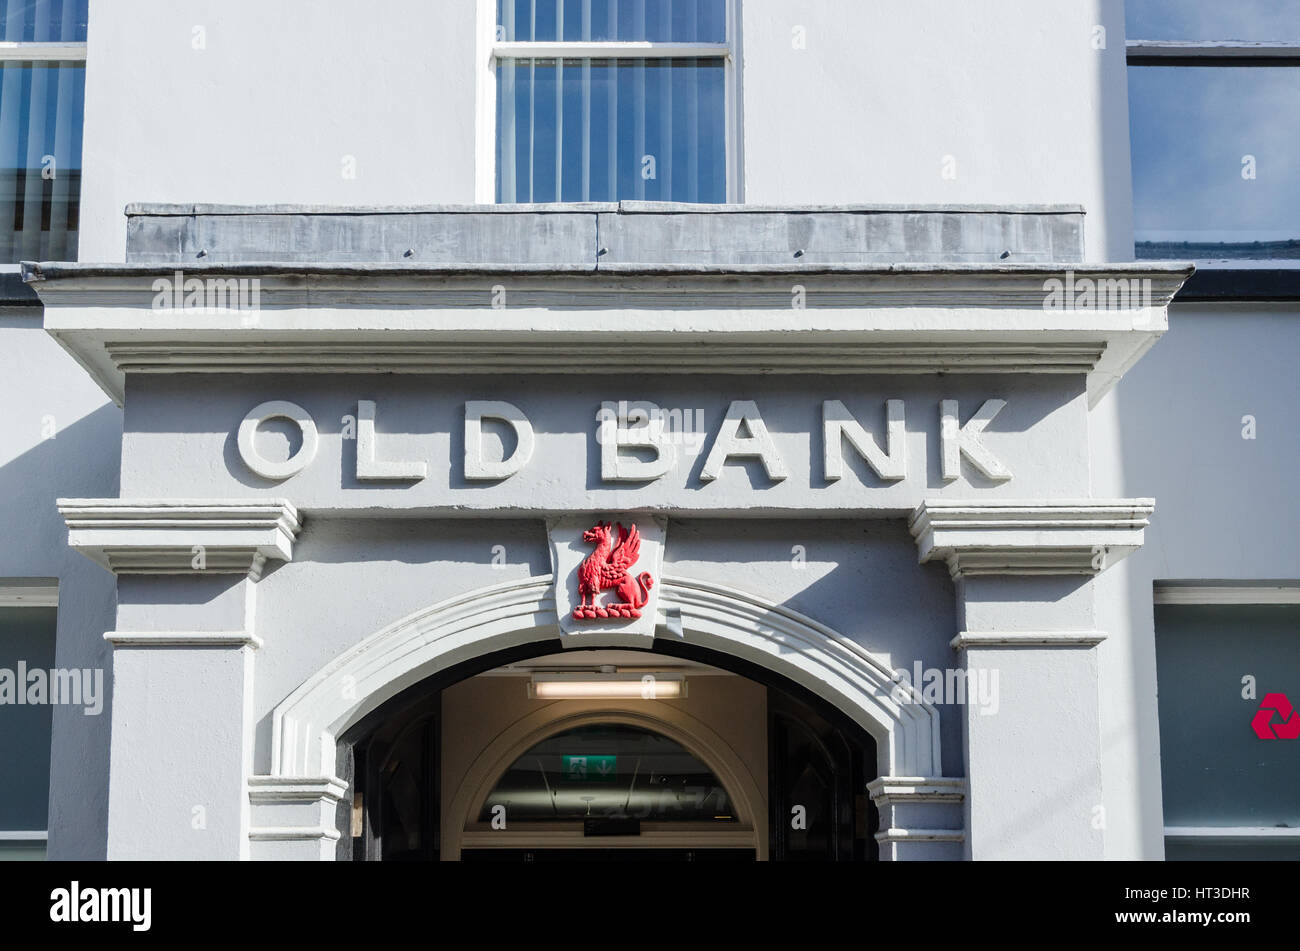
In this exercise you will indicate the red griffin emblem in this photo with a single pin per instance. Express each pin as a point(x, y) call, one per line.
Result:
point(607, 567)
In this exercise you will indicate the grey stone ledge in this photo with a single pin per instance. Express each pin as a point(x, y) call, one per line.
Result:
point(45, 271)
point(164, 209)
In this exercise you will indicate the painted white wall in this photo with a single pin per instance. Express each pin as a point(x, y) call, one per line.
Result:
point(268, 110)
point(1225, 510)
point(1014, 91)
point(46, 393)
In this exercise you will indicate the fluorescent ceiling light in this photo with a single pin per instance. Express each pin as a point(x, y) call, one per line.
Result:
point(590, 686)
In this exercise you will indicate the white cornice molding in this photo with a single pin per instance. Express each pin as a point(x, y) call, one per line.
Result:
point(920, 835)
point(1029, 537)
point(293, 834)
point(386, 318)
point(889, 790)
point(296, 789)
point(183, 639)
point(967, 639)
point(129, 536)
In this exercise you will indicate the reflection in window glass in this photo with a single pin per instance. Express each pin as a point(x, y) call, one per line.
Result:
point(1213, 19)
point(1216, 174)
point(1215, 769)
point(41, 111)
point(656, 21)
point(26, 643)
point(43, 21)
point(609, 771)
point(606, 130)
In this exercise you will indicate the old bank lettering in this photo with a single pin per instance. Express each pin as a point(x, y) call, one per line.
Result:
point(638, 442)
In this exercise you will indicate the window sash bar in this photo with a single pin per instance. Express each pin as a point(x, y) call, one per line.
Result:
point(36, 52)
point(627, 50)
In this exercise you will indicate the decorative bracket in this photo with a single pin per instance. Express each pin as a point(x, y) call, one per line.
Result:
point(181, 536)
point(1029, 537)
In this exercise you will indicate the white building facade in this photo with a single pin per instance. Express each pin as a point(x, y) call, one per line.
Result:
point(726, 429)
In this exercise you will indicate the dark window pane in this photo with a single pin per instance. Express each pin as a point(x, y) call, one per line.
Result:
point(1216, 173)
point(44, 21)
point(658, 21)
point(1216, 850)
point(26, 638)
point(1213, 19)
point(607, 130)
point(1215, 769)
point(609, 771)
point(41, 113)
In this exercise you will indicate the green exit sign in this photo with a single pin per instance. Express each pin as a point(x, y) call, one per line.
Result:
point(589, 769)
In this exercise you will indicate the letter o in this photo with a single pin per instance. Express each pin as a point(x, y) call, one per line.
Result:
point(277, 409)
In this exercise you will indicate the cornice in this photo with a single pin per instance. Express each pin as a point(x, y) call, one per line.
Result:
point(1029, 537)
point(456, 319)
point(129, 536)
point(183, 639)
point(889, 790)
point(969, 639)
point(296, 789)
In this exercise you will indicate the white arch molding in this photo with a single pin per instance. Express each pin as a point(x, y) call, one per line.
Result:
point(308, 722)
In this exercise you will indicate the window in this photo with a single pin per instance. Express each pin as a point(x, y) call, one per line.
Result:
point(609, 771)
point(27, 627)
point(1229, 767)
point(1214, 89)
point(606, 100)
point(42, 93)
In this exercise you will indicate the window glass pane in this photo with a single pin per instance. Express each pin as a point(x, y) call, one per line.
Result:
point(1255, 850)
point(1216, 173)
point(609, 771)
point(26, 646)
point(656, 21)
point(1216, 771)
point(1212, 19)
point(606, 130)
point(46, 21)
point(41, 112)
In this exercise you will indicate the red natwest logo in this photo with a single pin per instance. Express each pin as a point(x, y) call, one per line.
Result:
point(1263, 724)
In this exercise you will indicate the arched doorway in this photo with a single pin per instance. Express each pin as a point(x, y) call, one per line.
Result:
point(315, 753)
point(479, 768)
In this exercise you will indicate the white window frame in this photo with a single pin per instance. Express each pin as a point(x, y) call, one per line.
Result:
point(1228, 592)
point(489, 50)
point(28, 593)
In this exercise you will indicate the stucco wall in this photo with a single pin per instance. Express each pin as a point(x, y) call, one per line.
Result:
point(46, 394)
point(1225, 510)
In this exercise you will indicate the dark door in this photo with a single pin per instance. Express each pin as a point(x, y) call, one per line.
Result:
point(817, 771)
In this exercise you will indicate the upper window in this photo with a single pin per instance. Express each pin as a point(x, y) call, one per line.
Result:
point(42, 93)
point(604, 100)
point(1213, 90)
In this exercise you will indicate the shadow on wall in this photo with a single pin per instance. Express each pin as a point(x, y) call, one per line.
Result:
point(80, 460)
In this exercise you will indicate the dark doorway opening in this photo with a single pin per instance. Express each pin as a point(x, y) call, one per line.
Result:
point(819, 763)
